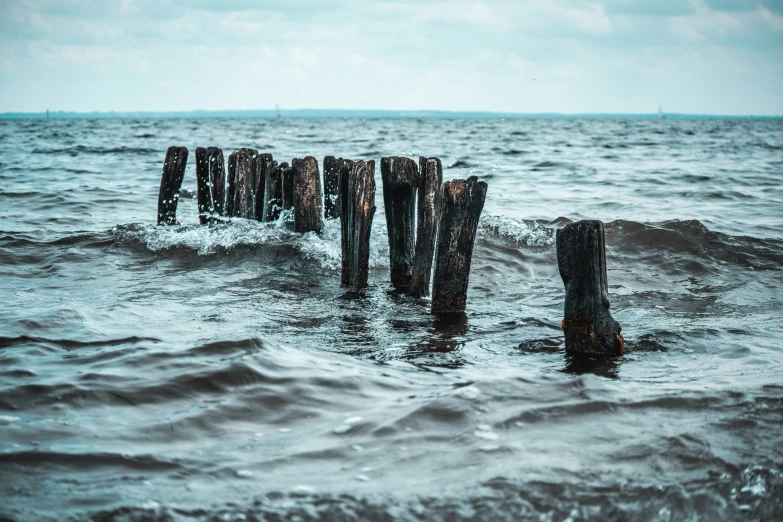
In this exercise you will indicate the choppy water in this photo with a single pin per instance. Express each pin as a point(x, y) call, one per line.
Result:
point(195, 373)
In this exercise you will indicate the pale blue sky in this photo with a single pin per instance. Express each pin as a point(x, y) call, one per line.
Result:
point(620, 56)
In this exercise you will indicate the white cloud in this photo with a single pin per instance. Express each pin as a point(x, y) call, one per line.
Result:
point(774, 20)
point(303, 56)
point(399, 54)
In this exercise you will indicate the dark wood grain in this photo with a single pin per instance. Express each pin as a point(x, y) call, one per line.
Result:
point(332, 168)
point(356, 189)
point(428, 204)
point(308, 200)
point(589, 328)
point(462, 202)
point(210, 181)
point(170, 183)
point(399, 175)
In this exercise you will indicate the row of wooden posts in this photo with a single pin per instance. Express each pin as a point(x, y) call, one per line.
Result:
point(426, 219)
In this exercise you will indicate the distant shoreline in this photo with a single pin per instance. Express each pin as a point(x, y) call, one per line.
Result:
point(355, 113)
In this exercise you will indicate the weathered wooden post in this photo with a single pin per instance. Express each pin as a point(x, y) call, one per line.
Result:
point(170, 183)
point(308, 200)
point(428, 205)
point(231, 188)
point(287, 175)
point(462, 203)
point(260, 164)
point(210, 180)
point(589, 328)
point(399, 176)
point(356, 200)
point(332, 167)
point(273, 193)
point(242, 182)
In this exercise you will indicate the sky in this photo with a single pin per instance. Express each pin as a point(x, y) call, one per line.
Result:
point(508, 56)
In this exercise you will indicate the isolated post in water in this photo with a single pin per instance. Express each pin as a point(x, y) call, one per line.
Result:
point(462, 202)
point(588, 326)
point(332, 167)
point(210, 180)
point(287, 175)
point(273, 193)
point(170, 183)
point(307, 195)
point(241, 177)
point(428, 204)
point(356, 200)
point(399, 176)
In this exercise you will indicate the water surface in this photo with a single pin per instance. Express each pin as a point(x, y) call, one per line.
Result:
point(221, 373)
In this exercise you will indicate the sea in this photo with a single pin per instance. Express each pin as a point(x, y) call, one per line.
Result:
point(221, 373)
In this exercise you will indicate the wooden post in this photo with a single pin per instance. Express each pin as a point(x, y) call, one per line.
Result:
point(232, 170)
point(399, 181)
point(170, 183)
point(308, 201)
point(217, 176)
point(287, 174)
point(356, 201)
point(428, 205)
point(241, 169)
point(273, 193)
point(462, 203)
point(588, 326)
point(260, 164)
point(332, 167)
point(210, 180)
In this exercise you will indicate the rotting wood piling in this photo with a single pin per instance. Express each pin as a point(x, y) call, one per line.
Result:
point(170, 183)
point(332, 168)
point(260, 163)
point(589, 328)
point(241, 183)
point(287, 176)
point(430, 223)
point(210, 180)
point(462, 202)
point(356, 201)
point(430, 180)
point(399, 176)
point(272, 199)
point(308, 200)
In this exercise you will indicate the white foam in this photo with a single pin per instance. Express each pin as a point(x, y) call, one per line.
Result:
point(467, 392)
point(517, 230)
point(205, 240)
point(5, 420)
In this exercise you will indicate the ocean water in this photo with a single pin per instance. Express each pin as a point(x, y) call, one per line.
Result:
point(220, 373)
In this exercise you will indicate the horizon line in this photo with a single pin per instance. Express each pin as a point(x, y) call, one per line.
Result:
point(355, 113)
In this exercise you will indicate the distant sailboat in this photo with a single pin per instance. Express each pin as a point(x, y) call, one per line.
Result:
point(47, 114)
point(660, 112)
point(277, 108)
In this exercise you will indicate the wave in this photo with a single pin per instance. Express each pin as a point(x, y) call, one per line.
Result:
point(272, 240)
point(529, 233)
point(750, 494)
point(691, 238)
point(638, 243)
point(460, 164)
point(83, 149)
point(70, 344)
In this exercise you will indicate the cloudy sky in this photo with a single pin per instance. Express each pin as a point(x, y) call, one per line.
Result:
point(618, 56)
